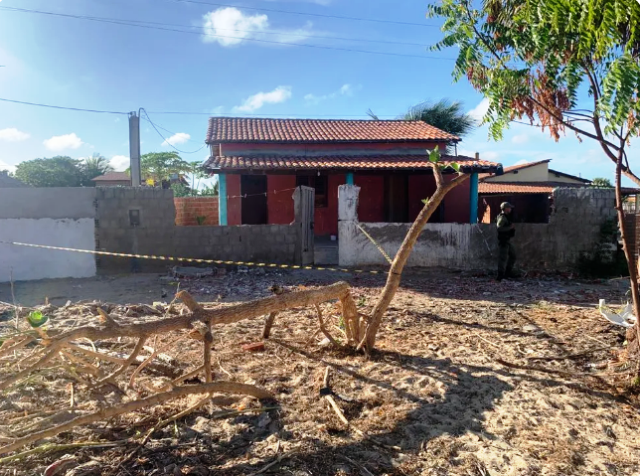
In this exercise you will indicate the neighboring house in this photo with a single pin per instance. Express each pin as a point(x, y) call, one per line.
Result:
point(261, 161)
point(10, 182)
point(113, 179)
point(529, 188)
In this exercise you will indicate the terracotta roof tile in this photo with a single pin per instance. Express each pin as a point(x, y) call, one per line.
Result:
point(356, 162)
point(112, 177)
point(238, 129)
point(502, 187)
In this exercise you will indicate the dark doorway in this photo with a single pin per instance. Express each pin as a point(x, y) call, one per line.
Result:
point(254, 199)
point(396, 193)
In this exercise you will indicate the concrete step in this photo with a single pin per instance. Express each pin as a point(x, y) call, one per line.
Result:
point(325, 255)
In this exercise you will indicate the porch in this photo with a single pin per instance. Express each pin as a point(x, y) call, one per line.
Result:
point(261, 197)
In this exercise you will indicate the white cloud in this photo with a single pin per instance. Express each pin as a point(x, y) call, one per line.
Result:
point(13, 135)
point(175, 139)
point(520, 139)
point(67, 141)
point(120, 163)
point(229, 26)
point(255, 102)
point(5, 166)
point(480, 110)
point(345, 90)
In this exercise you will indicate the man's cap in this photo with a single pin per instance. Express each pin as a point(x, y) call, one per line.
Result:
point(504, 205)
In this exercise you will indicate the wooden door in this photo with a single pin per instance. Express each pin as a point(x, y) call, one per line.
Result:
point(254, 199)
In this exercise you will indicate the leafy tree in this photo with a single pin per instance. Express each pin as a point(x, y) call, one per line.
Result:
point(197, 172)
point(562, 64)
point(160, 166)
point(601, 182)
point(95, 166)
point(444, 114)
point(54, 172)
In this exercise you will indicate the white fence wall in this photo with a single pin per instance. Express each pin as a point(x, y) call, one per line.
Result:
point(48, 216)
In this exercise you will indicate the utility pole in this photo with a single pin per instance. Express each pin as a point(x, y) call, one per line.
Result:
point(134, 148)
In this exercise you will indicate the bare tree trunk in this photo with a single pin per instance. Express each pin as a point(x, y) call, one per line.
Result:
point(395, 273)
point(633, 334)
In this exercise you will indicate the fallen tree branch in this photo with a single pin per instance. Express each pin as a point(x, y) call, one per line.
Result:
point(571, 356)
point(146, 362)
point(324, 330)
point(272, 464)
point(110, 412)
point(50, 448)
point(161, 424)
point(228, 315)
point(332, 401)
point(266, 332)
point(128, 362)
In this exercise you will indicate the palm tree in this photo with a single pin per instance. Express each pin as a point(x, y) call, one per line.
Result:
point(95, 166)
point(445, 115)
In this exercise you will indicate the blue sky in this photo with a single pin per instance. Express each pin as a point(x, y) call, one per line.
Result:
point(86, 64)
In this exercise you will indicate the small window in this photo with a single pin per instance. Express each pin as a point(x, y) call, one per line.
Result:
point(134, 217)
point(321, 186)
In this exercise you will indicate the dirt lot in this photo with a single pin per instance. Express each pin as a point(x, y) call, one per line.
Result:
point(470, 377)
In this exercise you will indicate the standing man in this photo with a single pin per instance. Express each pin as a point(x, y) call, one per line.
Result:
point(506, 253)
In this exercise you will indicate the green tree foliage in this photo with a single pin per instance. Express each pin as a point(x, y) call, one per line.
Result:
point(563, 64)
point(95, 166)
point(54, 172)
point(160, 166)
point(444, 114)
point(601, 182)
point(566, 64)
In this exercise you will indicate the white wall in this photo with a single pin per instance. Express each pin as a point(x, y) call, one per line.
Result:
point(32, 263)
point(537, 173)
point(62, 217)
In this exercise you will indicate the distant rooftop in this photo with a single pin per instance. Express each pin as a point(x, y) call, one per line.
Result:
point(10, 182)
point(112, 177)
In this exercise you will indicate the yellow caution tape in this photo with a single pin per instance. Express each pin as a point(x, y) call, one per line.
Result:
point(193, 260)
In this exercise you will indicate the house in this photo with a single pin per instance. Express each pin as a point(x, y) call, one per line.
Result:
point(528, 186)
point(10, 182)
point(260, 162)
point(113, 179)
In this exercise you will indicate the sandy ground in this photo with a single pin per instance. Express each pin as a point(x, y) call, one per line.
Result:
point(469, 378)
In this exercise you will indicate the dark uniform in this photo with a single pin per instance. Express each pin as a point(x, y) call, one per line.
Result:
point(506, 252)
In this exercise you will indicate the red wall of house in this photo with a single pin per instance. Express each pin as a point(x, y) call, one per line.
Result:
point(234, 205)
point(371, 199)
point(280, 201)
point(456, 202)
point(326, 220)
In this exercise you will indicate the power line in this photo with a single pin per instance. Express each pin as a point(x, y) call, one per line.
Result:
point(148, 119)
point(206, 29)
point(137, 24)
point(62, 107)
point(183, 113)
point(318, 15)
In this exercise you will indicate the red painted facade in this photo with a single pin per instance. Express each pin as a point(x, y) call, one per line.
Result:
point(373, 202)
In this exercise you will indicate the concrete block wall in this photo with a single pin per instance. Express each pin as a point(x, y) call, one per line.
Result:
point(247, 243)
point(63, 217)
point(574, 229)
point(188, 209)
point(157, 234)
point(116, 233)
